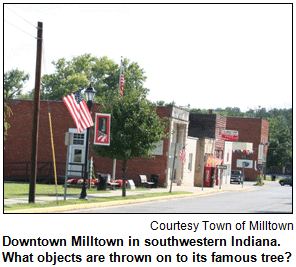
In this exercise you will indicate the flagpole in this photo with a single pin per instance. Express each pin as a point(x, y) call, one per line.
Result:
point(120, 72)
point(53, 157)
point(120, 77)
point(119, 83)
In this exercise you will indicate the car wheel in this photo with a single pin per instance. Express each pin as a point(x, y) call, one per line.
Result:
point(281, 183)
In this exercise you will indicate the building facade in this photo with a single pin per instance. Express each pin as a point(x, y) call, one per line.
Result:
point(18, 145)
point(210, 151)
point(253, 139)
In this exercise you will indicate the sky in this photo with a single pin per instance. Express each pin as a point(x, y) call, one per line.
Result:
point(207, 56)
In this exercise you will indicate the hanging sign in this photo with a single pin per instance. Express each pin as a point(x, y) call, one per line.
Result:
point(229, 135)
point(102, 129)
point(213, 162)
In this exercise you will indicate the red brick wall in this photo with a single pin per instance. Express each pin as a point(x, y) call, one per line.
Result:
point(18, 144)
point(19, 140)
point(137, 166)
point(220, 125)
point(264, 135)
point(251, 130)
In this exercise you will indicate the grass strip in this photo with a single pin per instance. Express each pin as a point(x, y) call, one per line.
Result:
point(21, 190)
point(47, 204)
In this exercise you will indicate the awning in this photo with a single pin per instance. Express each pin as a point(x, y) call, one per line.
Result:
point(213, 162)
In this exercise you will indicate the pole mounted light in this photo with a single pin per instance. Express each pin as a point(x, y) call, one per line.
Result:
point(90, 93)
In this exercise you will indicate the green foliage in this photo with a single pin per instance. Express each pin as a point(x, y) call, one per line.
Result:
point(135, 128)
point(103, 73)
point(280, 142)
point(259, 180)
point(14, 81)
point(27, 96)
point(280, 130)
point(7, 113)
point(163, 103)
point(199, 111)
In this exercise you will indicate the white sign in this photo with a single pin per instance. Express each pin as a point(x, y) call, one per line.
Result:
point(239, 163)
point(229, 135)
point(260, 154)
point(130, 184)
point(67, 140)
point(158, 151)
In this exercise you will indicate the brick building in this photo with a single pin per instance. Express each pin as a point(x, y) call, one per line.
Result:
point(208, 128)
point(17, 153)
point(253, 131)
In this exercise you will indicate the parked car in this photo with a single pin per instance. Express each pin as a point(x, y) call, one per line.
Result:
point(236, 176)
point(287, 180)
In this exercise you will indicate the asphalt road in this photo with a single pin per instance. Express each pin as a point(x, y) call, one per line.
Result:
point(271, 198)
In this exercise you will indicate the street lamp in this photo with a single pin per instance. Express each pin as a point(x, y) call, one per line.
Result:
point(89, 95)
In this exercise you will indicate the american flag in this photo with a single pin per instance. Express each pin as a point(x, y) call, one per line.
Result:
point(102, 137)
point(121, 80)
point(183, 155)
point(121, 84)
point(78, 110)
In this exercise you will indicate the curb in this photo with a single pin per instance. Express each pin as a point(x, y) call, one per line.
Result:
point(117, 202)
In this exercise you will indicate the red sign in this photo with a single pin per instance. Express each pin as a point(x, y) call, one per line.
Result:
point(230, 135)
point(102, 129)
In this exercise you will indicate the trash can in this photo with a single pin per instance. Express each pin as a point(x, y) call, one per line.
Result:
point(273, 177)
point(102, 183)
point(154, 179)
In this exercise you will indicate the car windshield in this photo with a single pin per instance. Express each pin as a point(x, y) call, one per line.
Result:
point(235, 172)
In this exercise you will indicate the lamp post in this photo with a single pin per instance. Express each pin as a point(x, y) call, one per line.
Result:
point(89, 95)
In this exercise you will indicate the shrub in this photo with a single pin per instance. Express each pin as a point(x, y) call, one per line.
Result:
point(259, 180)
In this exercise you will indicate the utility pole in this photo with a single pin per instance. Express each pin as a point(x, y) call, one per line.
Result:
point(36, 115)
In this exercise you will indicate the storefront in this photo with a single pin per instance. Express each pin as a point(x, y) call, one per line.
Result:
point(211, 173)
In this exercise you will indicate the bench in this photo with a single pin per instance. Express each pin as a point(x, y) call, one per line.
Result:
point(106, 179)
point(144, 182)
point(111, 184)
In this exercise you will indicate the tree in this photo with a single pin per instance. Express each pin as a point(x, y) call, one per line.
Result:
point(163, 103)
point(7, 112)
point(135, 130)
point(14, 81)
point(198, 111)
point(103, 73)
point(280, 142)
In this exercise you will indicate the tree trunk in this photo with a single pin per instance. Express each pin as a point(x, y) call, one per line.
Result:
point(123, 178)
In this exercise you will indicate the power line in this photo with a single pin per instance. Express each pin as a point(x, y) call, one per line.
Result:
point(43, 57)
point(21, 29)
point(20, 17)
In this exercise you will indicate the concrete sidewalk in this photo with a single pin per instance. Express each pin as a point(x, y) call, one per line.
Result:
point(111, 193)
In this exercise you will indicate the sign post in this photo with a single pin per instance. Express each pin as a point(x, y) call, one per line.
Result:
point(221, 167)
point(68, 141)
point(245, 164)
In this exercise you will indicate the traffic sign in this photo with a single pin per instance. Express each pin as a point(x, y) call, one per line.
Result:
point(222, 167)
